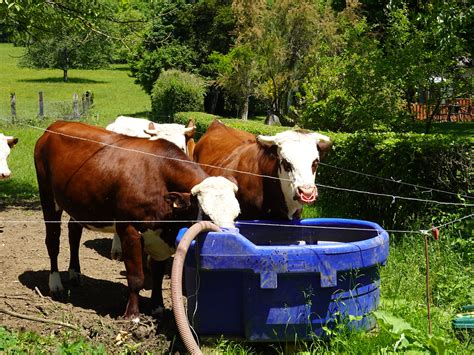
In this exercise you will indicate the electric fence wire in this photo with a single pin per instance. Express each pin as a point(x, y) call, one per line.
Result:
point(394, 197)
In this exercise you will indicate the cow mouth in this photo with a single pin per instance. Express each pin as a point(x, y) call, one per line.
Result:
point(307, 196)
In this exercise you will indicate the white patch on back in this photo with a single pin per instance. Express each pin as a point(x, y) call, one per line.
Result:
point(55, 284)
point(139, 127)
point(4, 153)
point(156, 247)
point(216, 197)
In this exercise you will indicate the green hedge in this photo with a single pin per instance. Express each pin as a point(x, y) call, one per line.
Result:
point(203, 120)
point(437, 161)
point(440, 161)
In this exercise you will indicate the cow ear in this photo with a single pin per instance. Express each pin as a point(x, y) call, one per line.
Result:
point(266, 141)
point(324, 147)
point(189, 132)
point(178, 200)
point(152, 131)
point(11, 141)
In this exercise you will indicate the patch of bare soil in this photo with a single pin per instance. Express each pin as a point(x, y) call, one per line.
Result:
point(93, 309)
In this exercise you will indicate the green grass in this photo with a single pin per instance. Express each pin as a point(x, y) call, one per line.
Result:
point(31, 343)
point(114, 91)
point(114, 94)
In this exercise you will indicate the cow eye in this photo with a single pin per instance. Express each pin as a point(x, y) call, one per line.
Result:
point(286, 165)
point(315, 165)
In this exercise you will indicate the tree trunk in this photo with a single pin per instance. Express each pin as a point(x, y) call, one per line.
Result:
point(430, 118)
point(66, 63)
point(244, 110)
point(214, 99)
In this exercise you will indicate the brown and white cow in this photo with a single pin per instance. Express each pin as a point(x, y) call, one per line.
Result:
point(114, 183)
point(6, 143)
point(289, 159)
point(182, 136)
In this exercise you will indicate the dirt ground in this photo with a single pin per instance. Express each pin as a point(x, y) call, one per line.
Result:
point(93, 309)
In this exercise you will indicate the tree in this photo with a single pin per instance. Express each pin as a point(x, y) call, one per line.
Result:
point(33, 19)
point(425, 48)
point(348, 90)
point(286, 37)
point(237, 75)
point(182, 38)
point(78, 34)
point(68, 50)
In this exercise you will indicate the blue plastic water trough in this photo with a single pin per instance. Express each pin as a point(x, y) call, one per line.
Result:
point(271, 283)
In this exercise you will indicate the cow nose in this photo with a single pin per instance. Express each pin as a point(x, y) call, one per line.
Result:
point(5, 175)
point(307, 193)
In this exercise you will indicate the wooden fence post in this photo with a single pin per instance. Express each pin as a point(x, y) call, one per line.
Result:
point(75, 106)
point(86, 101)
point(41, 105)
point(13, 106)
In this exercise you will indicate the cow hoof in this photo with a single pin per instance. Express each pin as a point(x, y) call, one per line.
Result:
point(116, 256)
point(75, 278)
point(55, 284)
point(135, 318)
point(60, 296)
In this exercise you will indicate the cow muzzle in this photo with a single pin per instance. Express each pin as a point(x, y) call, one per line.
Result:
point(307, 194)
point(5, 175)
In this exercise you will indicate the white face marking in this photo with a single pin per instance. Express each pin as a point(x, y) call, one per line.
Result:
point(297, 151)
point(156, 247)
point(139, 127)
point(216, 197)
point(55, 284)
point(4, 153)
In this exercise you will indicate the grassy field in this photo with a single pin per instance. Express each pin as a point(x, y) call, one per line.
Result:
point(113, 89)
point(402, 315)
point(114, 94)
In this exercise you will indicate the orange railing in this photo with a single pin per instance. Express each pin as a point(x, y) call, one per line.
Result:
point(458, 110)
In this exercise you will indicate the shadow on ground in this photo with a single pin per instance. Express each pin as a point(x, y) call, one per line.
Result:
point(100, 245)
point(60, 80)
point(102, 296)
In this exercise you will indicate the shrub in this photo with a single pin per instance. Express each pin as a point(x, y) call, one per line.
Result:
point(176, 91)
point(438, 161)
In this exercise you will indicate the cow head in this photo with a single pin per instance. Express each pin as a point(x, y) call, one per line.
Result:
point(6, 143)
point(216, 198)
point(172, 132)
point(298, 154)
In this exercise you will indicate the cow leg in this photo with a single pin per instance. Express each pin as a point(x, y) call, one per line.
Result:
point(116, 250)
point(75, 233)
point(158, 271)
point(132, 257)
point(53, 233)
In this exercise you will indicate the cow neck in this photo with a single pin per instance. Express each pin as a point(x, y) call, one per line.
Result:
point(274, 204)
point(183, 176)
